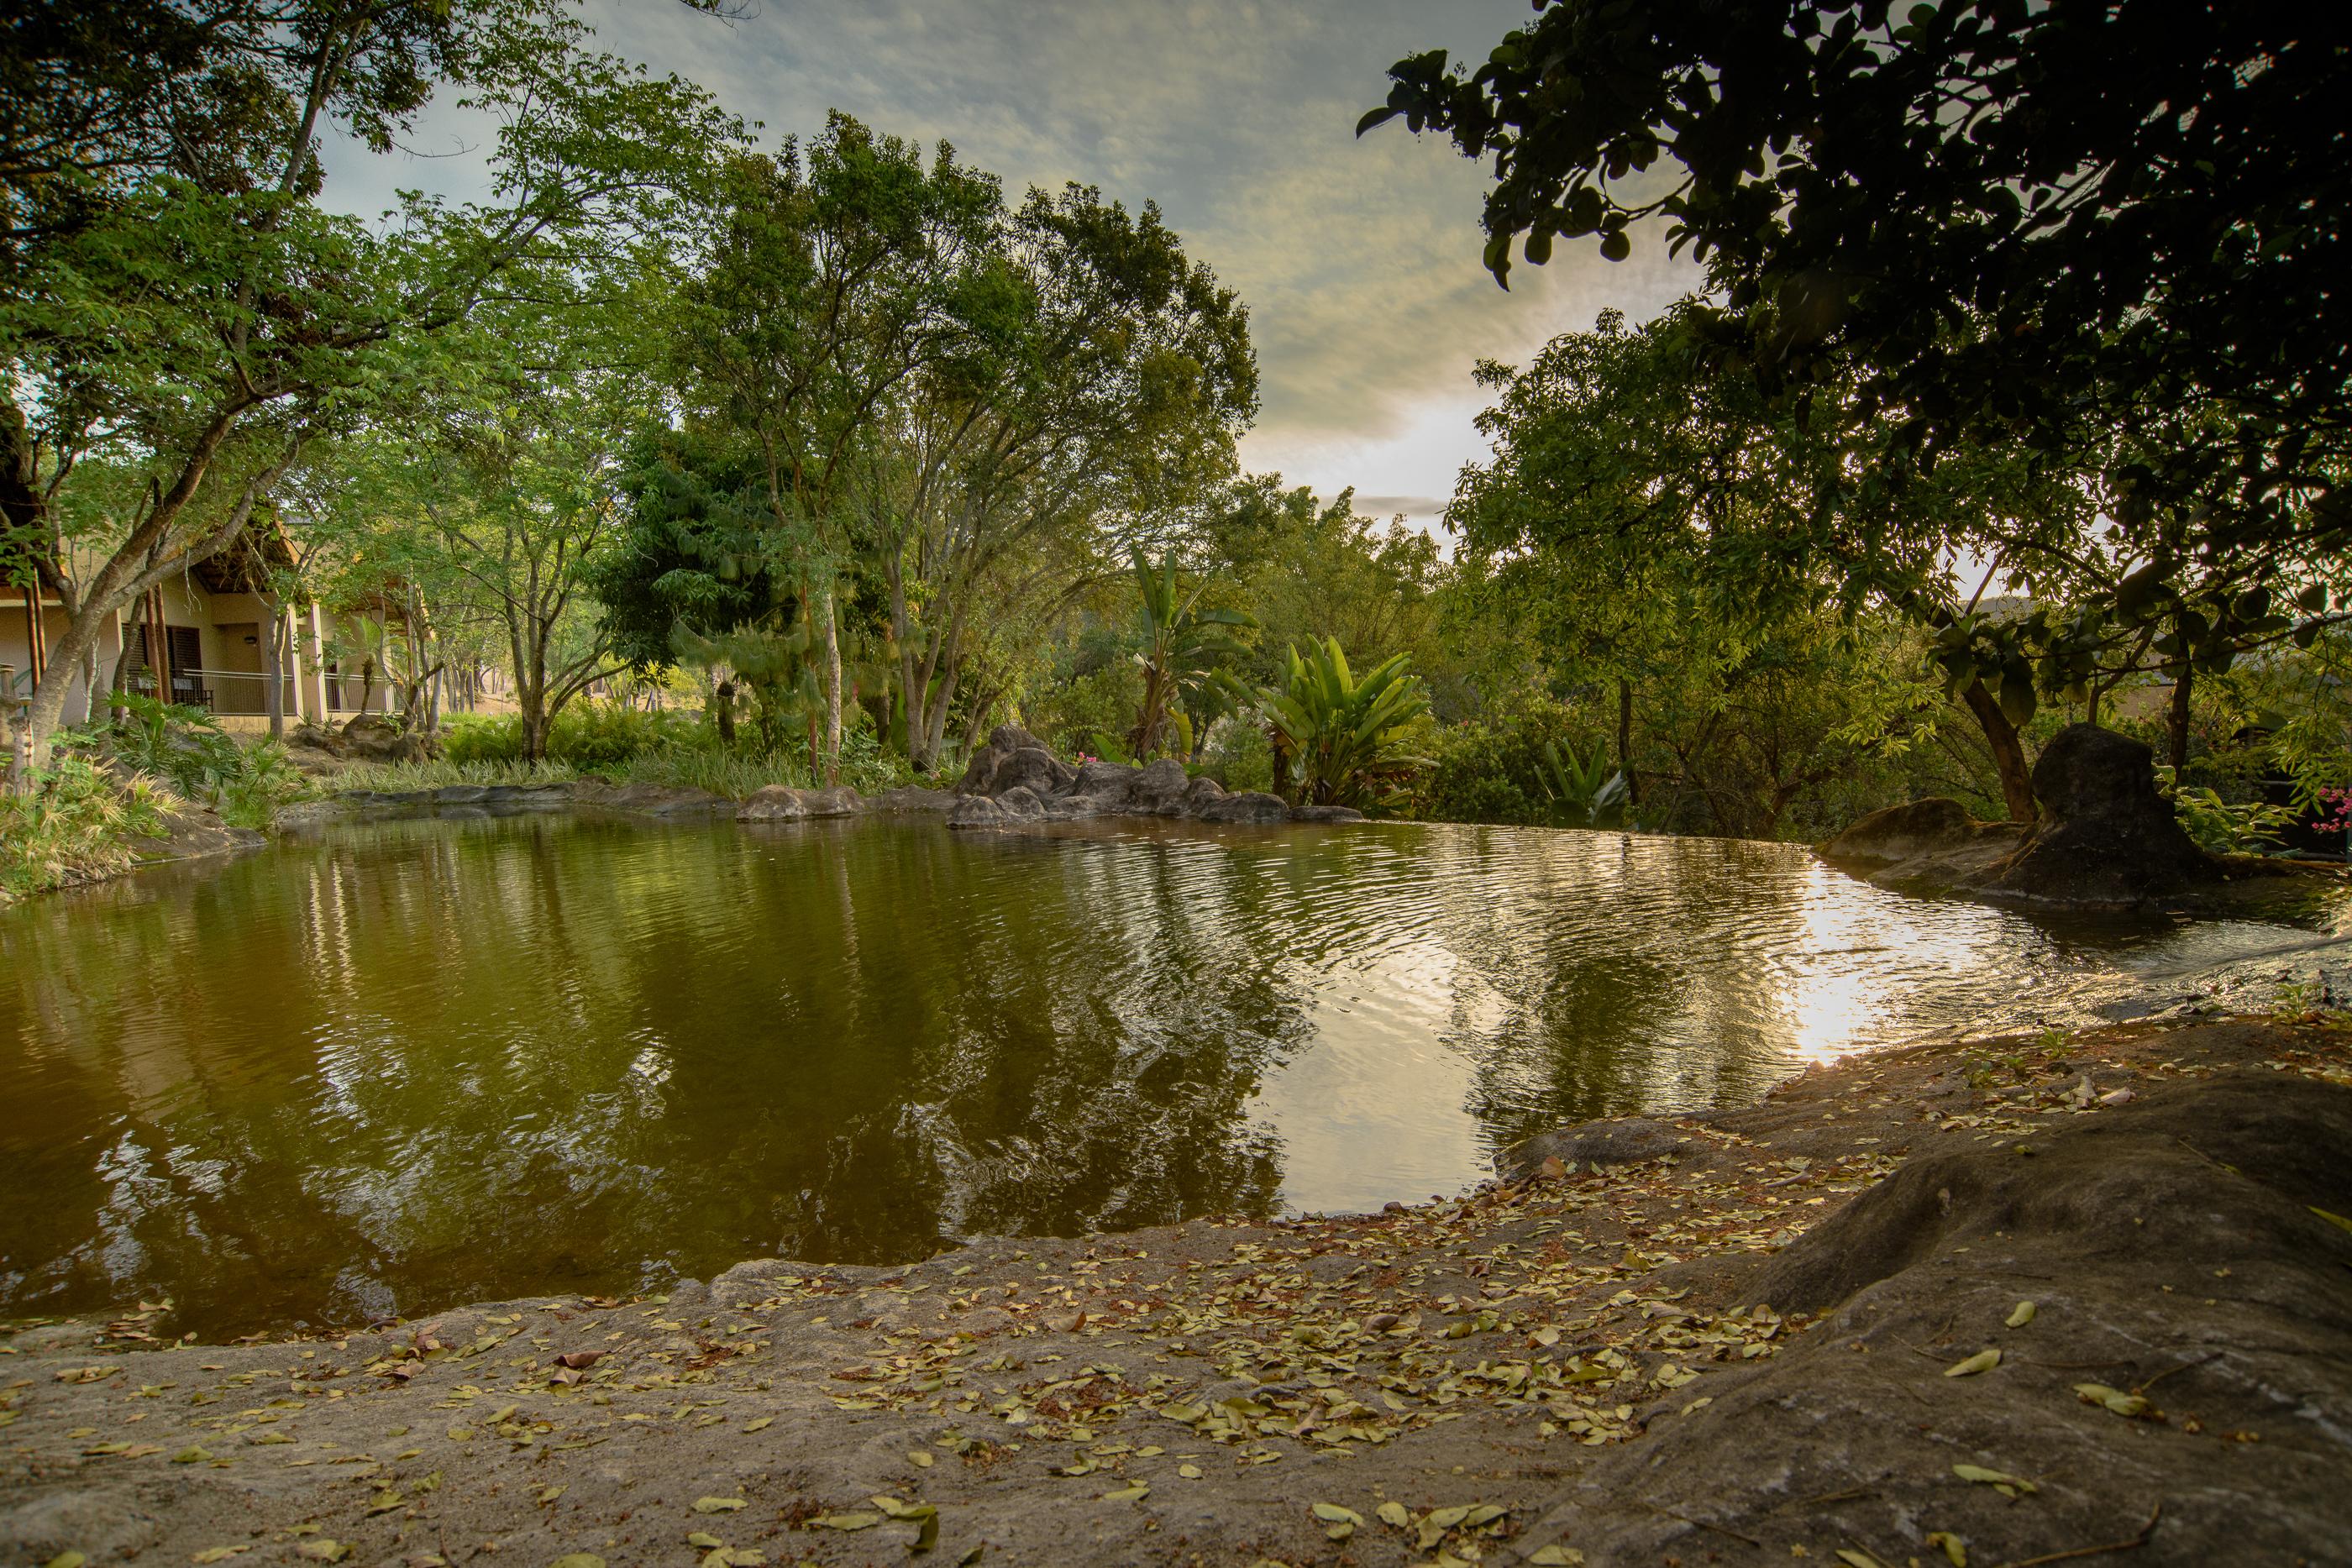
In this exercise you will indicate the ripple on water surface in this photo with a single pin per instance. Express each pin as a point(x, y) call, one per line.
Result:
point(412, 1063)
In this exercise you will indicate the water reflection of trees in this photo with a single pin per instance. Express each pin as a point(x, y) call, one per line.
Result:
point(430, 1064)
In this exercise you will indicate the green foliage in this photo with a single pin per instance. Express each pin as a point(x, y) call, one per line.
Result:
point(1584, 794)
point(1490, 768)
point(70, 822)
point(184, 748)
point(2137, 301)
point(1334, 734)
point(2224, 827)
point(586, 737)
point(1180, 646)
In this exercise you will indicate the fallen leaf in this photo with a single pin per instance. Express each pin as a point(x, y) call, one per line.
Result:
point(2114, 1399)
point(2007, 1485)
point(1954, 1551)
point(704, 1539)
point(1189, 1472)
point(2020, 1316)
point(211, 1554)
point(326, 1549)
point(67, 1559)
point(578, 1560)
point(762, 1425)
point(848, 1521)
point(1983, 1361)
point(716, 1504)
point(1135, 1493)
point(1853, 1559)
point(550, 1495)
point(1394, 1513)
point(1556, 1556)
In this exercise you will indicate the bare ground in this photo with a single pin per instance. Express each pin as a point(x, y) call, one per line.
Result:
point(1577, 1368)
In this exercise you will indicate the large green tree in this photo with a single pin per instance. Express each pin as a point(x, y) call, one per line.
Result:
point(2110, 235)
point(181, 311)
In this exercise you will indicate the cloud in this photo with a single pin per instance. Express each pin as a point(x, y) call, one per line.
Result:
point(1358, 259)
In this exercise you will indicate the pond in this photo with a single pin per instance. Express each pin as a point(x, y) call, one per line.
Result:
point(404, 1064)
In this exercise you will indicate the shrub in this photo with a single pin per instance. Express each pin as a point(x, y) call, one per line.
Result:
point(73, 822)
point(185, 748)
point(1493, 770)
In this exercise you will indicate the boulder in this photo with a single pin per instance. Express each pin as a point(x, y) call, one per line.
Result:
point(372, 737)
point(1620, 1142)
point(2190, 1292)
point(1158, 789)
point(783, 803)
point(1014, 758)
point(978, 812)
point(1250, 808)
point(1105, 781)
point(1326, 814)
point(1933, 840)
point(2105, 837)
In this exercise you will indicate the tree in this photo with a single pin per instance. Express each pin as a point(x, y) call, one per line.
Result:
point(1096, 398)
point(834, 279)
point(1179, 644)
point(1638, 477)
point(181, 312)
point(2111, 235)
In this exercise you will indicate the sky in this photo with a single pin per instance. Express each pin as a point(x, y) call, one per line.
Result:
point(1359, 260)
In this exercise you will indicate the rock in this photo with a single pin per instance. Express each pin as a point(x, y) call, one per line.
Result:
point(2170, 1246)
point(1014, 758)
point(1253, 807)
point(1020, 804)
point(1619, 1141)
point(1896, 833)
point(309, 813)
point(1934, 842)
point(1326, 814)
point(192, 831)
point(662, 800)
point(372, 737)
point(2106, 837)
point(1107, 781)
point(911, 798)
point(1160, 788)
point(978, 812)
point(783, 803)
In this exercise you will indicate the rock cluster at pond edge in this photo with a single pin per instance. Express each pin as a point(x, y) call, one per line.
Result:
point(1015, 779)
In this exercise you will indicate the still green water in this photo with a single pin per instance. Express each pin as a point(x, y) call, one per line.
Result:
point(412, 1063)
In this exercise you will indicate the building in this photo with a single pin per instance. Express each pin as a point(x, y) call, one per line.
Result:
point(201, 632)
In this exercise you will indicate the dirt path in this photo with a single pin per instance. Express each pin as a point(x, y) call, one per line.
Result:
point(1444, 1383)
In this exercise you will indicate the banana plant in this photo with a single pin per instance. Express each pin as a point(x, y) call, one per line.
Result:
point(1179, 645)
point(1333, 736)
point(1582, 794)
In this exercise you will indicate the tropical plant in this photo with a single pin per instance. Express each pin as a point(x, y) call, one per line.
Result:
point(71, 822)
point(1584, 794)
point(1181, 645)
point(2224, 827)
point(1333, 736)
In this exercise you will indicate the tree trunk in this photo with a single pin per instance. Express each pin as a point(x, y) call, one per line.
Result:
point(1625, 738)
point(722, 699)
point(273, 664)
point(2177, 725)
point(831, 689)
point(2008, 753)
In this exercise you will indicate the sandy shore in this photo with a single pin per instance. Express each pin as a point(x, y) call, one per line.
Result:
point(1491, 1380)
